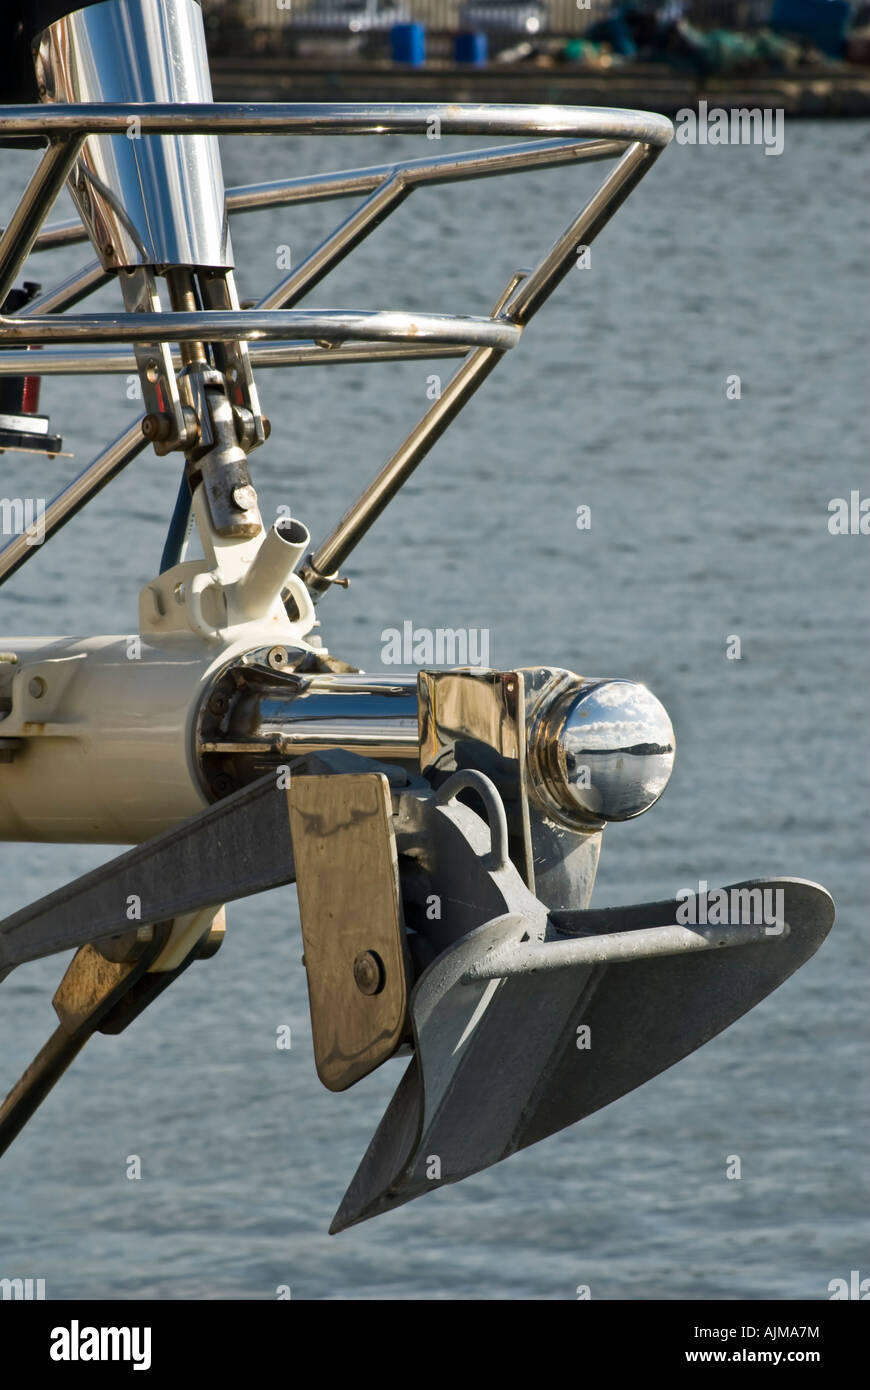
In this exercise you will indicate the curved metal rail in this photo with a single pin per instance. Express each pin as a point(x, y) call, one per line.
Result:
point(332, 326)
point(339, 118)
point(574, 135)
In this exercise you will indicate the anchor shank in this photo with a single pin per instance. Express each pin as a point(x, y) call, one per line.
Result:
point(620, 947)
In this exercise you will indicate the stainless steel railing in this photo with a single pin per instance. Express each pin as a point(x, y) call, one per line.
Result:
point(281, 335)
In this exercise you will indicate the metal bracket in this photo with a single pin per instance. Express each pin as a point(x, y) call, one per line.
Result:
point(479, 718)
point(355, 955)
point(218, 289)
point(156, 369)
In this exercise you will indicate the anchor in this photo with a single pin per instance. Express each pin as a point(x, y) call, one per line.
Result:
point(442, 827)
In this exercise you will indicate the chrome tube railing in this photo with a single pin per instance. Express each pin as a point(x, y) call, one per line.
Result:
point(522, 303)
point(573, 135)
point(250, 325)
point(75, 495)
point(34, 206)
point(83, 361)
point(343, 118)
point(442, 169)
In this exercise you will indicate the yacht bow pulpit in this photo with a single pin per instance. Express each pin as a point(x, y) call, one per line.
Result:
point(443, 827)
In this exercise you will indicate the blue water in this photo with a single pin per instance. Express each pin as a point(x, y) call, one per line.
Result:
point(709, 520)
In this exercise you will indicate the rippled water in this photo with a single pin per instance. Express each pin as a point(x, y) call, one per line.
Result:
point(709, 520)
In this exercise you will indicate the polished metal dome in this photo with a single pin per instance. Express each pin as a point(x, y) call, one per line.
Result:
point(600, 750)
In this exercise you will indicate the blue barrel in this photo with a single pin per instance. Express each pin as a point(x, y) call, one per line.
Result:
point(823, 22)
point(471, 48)
point(409, 44)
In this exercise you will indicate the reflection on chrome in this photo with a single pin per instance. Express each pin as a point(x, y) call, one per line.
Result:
point(145, 201)
point(600, 751)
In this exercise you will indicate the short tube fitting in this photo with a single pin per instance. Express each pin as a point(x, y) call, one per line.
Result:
point(281, 550)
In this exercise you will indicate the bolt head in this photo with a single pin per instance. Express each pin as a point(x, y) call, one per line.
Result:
point(155, 426)
point(244, 497)
point(37, 687)
point(368, 972)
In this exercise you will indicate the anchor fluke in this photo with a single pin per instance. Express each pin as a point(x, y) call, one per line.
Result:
point(497, 1062)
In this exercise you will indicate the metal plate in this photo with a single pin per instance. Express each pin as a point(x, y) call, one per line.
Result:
point(352, 927)
point(478, 718)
